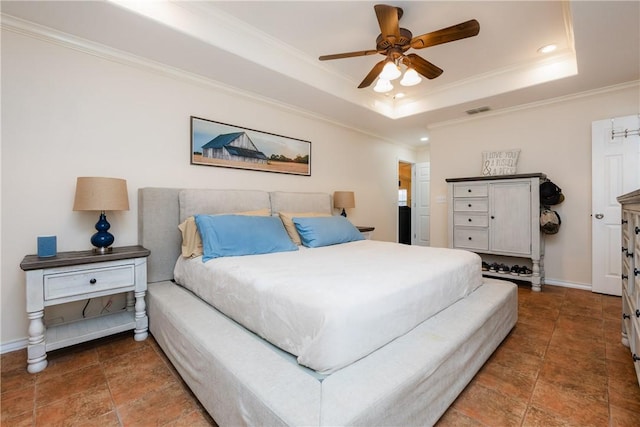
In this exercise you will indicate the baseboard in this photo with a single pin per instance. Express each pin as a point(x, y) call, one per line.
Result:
point(562, 283)
point(8, 347)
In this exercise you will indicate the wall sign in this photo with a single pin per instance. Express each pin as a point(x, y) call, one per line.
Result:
point(504, 162)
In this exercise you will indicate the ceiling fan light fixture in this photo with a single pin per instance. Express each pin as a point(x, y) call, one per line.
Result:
point(411, 78)
point(383, 86)
point(390, 71)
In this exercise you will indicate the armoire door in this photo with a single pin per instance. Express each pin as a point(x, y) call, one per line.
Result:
point(509, 217)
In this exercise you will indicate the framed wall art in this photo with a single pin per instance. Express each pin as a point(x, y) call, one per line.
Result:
point(223, 145)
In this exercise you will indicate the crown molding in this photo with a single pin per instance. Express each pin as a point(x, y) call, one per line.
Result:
point(50, 35)
point(538, 104)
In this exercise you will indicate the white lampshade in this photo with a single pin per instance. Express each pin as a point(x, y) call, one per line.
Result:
point(411, 78)
point(390, 71)
point(383, 86)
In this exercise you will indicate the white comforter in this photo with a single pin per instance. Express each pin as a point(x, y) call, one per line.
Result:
point(333, 305)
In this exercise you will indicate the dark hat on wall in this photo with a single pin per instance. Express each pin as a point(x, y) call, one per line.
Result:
point(549, 221)
point(550, 194)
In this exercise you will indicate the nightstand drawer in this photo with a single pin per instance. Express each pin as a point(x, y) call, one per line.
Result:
point(87, 281)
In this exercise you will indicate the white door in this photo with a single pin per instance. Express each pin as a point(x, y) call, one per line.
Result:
point(421, 204)
point(615, 171)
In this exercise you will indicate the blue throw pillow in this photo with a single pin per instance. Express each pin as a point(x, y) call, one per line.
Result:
point(324, 231)
point(235, 235)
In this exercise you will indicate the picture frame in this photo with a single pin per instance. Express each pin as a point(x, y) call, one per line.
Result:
point(224, 145)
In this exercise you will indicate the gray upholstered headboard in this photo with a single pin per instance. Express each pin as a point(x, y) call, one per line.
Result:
point(160, 210)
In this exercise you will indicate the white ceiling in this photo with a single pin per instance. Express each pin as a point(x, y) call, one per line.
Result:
point(271, 49)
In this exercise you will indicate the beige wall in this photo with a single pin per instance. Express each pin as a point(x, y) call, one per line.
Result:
point(555, 139)
point(66, 114)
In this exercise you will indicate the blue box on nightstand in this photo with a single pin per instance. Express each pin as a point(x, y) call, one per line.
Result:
point(47, 246)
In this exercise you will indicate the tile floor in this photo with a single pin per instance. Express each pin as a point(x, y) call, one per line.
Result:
point(562, 365)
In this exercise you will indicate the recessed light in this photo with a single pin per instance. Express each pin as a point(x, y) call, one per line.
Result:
point(399, 95)
point(548, 48)
point(424, 138)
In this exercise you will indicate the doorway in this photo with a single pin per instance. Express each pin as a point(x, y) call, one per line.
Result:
point(405, 196)
point(414, 203)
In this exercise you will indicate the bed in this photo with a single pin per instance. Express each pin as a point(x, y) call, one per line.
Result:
point(401, 372)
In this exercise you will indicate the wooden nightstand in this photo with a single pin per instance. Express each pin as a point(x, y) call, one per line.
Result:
point(367, 232)
point(73, 276)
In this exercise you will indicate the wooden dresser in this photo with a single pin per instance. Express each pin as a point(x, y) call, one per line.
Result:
point(631, 275)
point(499, 216)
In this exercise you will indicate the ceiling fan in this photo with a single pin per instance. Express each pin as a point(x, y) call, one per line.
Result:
point(394, 41)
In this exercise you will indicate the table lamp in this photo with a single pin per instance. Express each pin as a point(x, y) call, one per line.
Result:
point(101, 194)
point(344, 199)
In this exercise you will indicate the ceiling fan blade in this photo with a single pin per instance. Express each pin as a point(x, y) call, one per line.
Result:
point(455, 32)
point(347, 55)
point(422, 66)
point(388, 17)
point(375, 72)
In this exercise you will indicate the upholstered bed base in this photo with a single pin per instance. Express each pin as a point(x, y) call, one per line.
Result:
point(243, 380)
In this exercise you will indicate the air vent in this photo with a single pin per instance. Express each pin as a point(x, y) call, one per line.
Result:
point(478, 110)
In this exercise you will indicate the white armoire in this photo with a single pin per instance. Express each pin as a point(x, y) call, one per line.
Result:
point(497, 217)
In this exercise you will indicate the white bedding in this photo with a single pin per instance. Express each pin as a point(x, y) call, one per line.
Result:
point(333, 305)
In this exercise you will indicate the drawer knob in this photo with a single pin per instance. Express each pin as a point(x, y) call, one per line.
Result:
point(635, 357)
point(624, 221)
point(636, 272)
point(630, 254)
point(469, 190)
point(637, 313)
point(626, 316)
point(637, 230)
point(469, 204)
point(624, 276)
point(469, 219)
point(470, 238)
point(93, 281)
point(624, 249)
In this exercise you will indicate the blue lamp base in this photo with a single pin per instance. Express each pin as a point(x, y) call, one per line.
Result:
point(102, 240)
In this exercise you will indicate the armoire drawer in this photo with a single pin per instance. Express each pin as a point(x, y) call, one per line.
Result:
point(471, 205)
point(470, 190)
point(471, 238)
point(470, 220)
